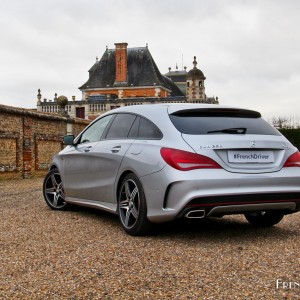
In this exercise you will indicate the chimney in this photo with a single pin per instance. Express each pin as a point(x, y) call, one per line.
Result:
point(121, 64)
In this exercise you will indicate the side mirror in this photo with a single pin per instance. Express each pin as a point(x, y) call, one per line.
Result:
point(69, 140)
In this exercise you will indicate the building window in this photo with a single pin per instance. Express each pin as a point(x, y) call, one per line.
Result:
point(80, 112)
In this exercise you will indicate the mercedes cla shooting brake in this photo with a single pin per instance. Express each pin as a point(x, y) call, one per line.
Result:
point(154, 163)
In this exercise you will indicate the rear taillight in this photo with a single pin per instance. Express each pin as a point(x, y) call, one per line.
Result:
point(185, 161)
point(293, 160)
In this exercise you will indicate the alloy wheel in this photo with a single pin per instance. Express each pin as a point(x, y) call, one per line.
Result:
point(53, 190)
point(129, 203)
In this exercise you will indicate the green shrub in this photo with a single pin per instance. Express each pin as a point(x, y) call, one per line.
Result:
point(293, 135)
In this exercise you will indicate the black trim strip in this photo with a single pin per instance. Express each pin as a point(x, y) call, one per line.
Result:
point(244, 199)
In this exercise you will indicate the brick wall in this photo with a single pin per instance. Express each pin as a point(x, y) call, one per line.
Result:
point(121, 62)
point(28, 140)
point(131, 92)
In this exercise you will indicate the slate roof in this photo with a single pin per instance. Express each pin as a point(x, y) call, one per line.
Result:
point(142, 71)
point(177, 76)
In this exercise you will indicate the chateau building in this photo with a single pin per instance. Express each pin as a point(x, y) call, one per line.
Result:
point(129, 76)
point(192, 84)
point(195, 84)
point(128, 73)
point(179, 78)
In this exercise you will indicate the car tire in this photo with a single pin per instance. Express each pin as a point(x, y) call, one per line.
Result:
point(132, 206)
point(53, 190)
point(264, 218)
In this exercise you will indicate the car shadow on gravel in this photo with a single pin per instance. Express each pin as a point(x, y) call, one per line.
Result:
point(232, 227)
point(88, 212)
point(228, 227)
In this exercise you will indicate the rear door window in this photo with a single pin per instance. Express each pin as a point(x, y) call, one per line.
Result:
point(145, 130)
point(134, 131)
point(120, 126)
point(221, 121)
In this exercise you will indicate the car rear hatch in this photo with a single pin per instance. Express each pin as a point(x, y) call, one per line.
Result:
point(238, 140)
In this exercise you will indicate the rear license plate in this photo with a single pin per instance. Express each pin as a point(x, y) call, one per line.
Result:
point(250, 157)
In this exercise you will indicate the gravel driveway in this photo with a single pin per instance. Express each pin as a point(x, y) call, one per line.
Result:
point(85, 254)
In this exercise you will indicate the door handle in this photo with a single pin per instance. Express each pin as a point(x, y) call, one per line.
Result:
point(87, 149)
point(116, 149)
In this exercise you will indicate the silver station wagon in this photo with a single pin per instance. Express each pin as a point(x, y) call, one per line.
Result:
point(154, 163)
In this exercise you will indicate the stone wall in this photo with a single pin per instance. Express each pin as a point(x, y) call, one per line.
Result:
point(29, 139)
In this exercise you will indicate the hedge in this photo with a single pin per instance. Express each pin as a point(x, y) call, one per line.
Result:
point(293, 135)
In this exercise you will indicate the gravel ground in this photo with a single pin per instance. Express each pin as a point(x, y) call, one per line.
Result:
point(85, 254)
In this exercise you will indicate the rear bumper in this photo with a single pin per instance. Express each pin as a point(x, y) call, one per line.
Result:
point(171, 194)
point(236, 204)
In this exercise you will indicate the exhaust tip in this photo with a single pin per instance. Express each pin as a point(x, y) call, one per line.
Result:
point(195, 214)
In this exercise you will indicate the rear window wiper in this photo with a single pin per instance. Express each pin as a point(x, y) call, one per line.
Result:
point(240, 130)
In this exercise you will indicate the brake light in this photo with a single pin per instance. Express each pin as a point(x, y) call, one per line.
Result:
point(185, 161)
point(293, 160)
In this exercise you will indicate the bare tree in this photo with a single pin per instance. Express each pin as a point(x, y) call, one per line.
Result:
point(281, 122)
point(291, 122)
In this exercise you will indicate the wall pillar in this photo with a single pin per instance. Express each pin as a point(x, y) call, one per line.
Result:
point(27, 147)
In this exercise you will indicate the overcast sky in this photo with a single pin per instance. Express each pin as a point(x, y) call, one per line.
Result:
point(249, 51)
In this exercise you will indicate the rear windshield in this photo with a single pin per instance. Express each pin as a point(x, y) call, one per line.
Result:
point(221, 121)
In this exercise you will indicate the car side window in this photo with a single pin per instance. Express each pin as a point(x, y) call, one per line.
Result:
point(147, 130)
point(144, 129)
point(120, 126)
point(95, 131)
point(134, 131)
